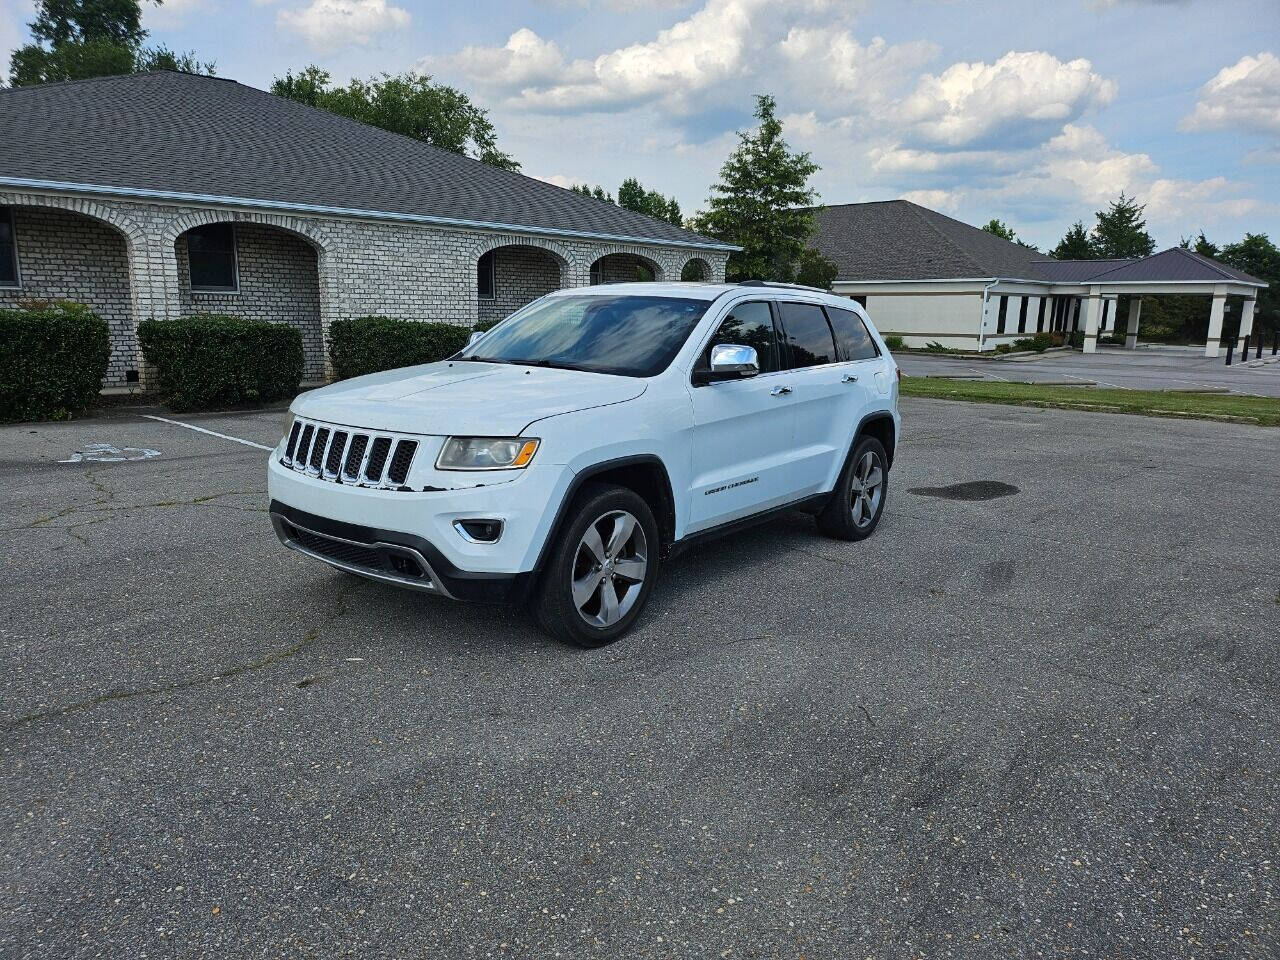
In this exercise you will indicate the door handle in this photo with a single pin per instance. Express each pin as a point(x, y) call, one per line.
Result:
point(849, 378)
point(779, 391)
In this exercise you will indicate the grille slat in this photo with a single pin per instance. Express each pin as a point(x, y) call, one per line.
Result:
point(343, 455)
point(377, 459)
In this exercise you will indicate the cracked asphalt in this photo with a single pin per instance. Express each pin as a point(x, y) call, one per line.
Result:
point(1040, 724)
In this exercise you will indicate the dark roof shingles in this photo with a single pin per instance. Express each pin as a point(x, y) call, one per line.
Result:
point(183, 133)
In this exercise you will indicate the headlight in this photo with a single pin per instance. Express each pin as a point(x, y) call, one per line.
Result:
point(486, 453)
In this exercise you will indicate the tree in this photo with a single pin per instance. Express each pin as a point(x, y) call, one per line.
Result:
point(1202, 245)
point(1121, 231)
point(763, 202)
point(815, 270)
point(1001, 230)
point(1257, 256)
point(79, 39)
point(409, 104)
point(1075, 245)
point(633, 196)
point(598, 192)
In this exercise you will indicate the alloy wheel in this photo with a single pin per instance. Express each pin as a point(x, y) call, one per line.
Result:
point(609, 568)
point(867, 489)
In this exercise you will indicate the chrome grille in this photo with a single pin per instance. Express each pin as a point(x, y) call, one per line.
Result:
point(364, 458)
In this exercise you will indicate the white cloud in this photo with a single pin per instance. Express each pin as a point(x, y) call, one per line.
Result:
point(970, 102)
point(329, 24)
point(1243, 96)
point(934, 199)
point(173, 13)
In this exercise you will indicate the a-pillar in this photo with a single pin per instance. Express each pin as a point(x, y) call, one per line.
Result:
point(1092, 312)
point(1214, 341)
point(1131, 333)
point(1246, 321)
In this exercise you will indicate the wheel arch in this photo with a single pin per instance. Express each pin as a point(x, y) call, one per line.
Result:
point(645, 474)
point(881, 426)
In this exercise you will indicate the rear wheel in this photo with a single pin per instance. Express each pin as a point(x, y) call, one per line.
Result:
point(601, 568)
point(858, 499)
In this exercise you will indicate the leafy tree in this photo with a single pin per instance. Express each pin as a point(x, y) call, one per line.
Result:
point(409, 104)
point(763, 202)
point(1121, 231)
point(815, 270)
point(78, 39)
point(1257, 255)
point(1074, 246)
point(633, 196)
point(597, 191)
point(1000, 229)
point(1201, 245)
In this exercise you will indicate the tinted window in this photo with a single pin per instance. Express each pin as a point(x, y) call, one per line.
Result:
point(211, 252)
point(8, 251)
point(808, 335)
point(750, 325)
point(628, 335)
point(484, 276)
point(852, 338)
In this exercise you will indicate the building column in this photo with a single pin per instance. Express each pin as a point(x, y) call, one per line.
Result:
point(1033, 311)
point(1092, 314)
point(1246, 320)
point(1214, 341)
point(153, 290)
point(1131, 332)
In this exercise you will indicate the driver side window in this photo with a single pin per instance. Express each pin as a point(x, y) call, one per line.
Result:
point(749, 325)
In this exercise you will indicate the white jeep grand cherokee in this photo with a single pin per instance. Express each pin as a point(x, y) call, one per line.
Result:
point(565, 453)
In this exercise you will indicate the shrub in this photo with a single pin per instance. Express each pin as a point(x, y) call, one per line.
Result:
point(1004, 348)
point(210, 360)
point(53, 357)
point(894, 343)
point(1039, 343)
point(361, 345)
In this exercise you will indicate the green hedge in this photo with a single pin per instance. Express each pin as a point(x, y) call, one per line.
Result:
point(361, 345)
point(1039, 343)
point(52, 361)
point(894, 342)
point(210, 360)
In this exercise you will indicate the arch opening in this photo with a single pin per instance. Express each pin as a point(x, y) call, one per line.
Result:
point(695, 269)
point(512, 275)
point(624, 268)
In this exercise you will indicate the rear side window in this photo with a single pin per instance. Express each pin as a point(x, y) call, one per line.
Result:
point(852, 338)
point(808, 334)
point(750, 325)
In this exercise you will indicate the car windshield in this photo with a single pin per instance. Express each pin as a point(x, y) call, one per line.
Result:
point(629, 335)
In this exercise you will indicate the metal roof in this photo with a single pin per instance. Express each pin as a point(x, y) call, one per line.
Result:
point(182, 136)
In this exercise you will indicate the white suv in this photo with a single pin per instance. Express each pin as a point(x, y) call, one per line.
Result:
point(565, 453)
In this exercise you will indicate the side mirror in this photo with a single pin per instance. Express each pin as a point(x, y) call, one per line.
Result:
point(729, 361)
point(475, 335)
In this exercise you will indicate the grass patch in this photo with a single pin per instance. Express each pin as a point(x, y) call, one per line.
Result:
point(1264, 411)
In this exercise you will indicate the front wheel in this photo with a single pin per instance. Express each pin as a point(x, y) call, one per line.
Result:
point(601, 569)
point(858, 499)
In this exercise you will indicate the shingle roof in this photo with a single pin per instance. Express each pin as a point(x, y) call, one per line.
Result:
point(187, 134)
point(901, 240)
point(1174, 264)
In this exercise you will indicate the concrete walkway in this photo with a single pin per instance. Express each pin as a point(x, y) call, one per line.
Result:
point(1147, 368)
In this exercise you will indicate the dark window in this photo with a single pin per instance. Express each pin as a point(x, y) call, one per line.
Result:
point(1044, 302)
point(1004, 311)
point(852, 339)
point(1022, 316)
point(808, 334)
point(596, 274)
point(632, 336)
point(484, 276)
point(860, 301)
point(8, 250)
point(211, 252)
point(750, 325)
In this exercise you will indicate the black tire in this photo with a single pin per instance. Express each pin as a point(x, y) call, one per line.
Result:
point(844, 519)
point(554, 606)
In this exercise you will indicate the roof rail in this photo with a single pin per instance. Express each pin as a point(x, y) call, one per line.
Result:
point(783, 286)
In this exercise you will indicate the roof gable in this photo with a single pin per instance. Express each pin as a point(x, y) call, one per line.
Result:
point(207, 136)
point(1177, 264)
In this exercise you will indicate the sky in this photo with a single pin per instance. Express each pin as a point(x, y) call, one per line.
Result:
point(1036, 113)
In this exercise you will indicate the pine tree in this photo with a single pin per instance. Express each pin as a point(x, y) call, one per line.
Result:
point(1074, 246)
point(763, 202)
point(1121, 231)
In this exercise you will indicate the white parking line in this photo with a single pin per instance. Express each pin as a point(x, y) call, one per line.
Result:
point(212, 433)
point(1095, 380)
point(988, 373)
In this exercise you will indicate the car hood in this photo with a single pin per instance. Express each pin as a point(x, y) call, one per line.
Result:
point(463, 398)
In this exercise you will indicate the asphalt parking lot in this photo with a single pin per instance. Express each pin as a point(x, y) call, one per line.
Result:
point(1043, 724)
point(1147, 368)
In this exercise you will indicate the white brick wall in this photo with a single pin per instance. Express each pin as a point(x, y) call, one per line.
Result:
point(415, 271)
point(520, 275)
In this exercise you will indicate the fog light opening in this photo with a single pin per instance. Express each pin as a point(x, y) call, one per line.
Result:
point(479, 531)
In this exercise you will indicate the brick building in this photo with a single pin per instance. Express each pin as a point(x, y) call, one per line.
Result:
point(165, 194)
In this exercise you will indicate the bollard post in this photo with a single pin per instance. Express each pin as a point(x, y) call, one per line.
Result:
point(1259, 354)
point(1244, 348)
point(1275, 340)
point(1231, 345)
